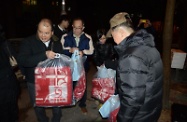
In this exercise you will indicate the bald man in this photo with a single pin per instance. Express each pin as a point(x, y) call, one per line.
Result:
point(33, 50)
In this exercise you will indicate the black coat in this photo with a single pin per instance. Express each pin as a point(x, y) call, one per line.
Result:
point(9, 86)
point(58, 33)
point(139, 79)
point(103, 52)
point(32, 51)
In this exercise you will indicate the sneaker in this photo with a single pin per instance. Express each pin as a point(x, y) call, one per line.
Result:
point(84, 110)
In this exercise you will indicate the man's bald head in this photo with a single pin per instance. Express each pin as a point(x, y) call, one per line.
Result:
point(45, 23)
point(45, 30)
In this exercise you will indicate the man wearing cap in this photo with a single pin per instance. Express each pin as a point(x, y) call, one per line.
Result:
point(139, 72)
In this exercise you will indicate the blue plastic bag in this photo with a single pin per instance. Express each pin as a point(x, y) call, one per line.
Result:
point(78, 65)
point(110, 105)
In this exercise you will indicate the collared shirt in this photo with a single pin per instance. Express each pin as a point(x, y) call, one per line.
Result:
point(47, 43)
point(77, 39)
point(61, 28)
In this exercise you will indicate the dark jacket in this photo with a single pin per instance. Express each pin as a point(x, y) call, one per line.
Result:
point(149, 29)
point(9, 86)
point(58, 33)
point(102, 53)
point(32, 51)
point(139, 79)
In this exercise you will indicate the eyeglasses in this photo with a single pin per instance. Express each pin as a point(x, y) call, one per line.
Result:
point(102, 38)
point(79, 28)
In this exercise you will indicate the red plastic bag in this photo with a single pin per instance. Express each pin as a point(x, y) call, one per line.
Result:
point(103, 83)
point(113, 115)
point(80, 87)
point(53, 82)
point(103, 88)
point(53, 87)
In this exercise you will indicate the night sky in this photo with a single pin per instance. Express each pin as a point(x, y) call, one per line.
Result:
point(96, 13)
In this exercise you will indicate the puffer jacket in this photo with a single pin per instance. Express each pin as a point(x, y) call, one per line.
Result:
point(139, 79)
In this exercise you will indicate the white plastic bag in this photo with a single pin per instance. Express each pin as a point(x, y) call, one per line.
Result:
point(103, 72)
point(103, 83)
point(60, 60)
point(110, 105)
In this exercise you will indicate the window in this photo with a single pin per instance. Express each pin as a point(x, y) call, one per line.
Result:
point(30, 2)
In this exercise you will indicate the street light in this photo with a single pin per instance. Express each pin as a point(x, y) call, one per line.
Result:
point(63, 7)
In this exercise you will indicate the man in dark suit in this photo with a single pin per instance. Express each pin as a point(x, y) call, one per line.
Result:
point(9, 86)
point(62, 27)
point(33, 50)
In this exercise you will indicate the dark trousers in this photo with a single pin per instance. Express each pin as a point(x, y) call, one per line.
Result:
point(40, 111)
point(9, 112)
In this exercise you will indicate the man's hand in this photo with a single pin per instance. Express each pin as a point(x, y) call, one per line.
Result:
point(50, 54)
point(81, 53)
point(73, 49)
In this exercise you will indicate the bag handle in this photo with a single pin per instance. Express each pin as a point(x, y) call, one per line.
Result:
point(57, 55)
point(9, 53)
point(75, 53)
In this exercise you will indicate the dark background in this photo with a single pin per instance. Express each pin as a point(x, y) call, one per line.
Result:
point(20, 19)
